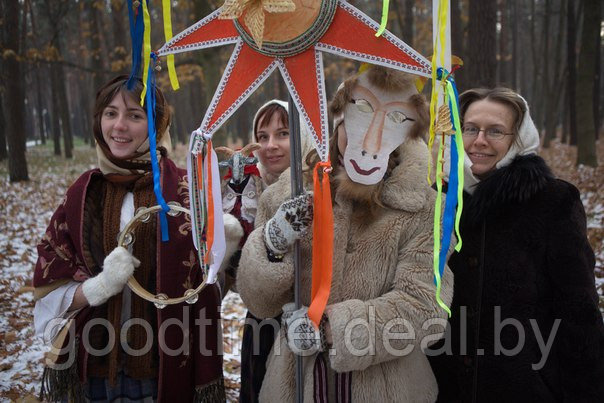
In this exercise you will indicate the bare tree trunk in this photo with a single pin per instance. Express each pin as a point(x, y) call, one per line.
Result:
point(571, 62)
point(553, 95)
point(37, 71)
point(56, 113)
point(537, 82)
point(60, 94)
point(121, 39)
point(13, 96)
point(502, 44)
point(586, 153)
point(399, 20)
point(515, 38)
point(3, 151)
point(118, 17)
point(457, 43)
point(482, 61)
point(98, 79)
point(209, 59)
point(40, 105)
point(597, 82)
point(524, 61)
point(407, 28)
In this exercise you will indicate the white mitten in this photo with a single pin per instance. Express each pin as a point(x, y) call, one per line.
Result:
point(291, 221)
point(302, 336)
point(233, 232)
point(117, 269)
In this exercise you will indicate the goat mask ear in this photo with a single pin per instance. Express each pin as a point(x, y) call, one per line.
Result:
point(376, 122)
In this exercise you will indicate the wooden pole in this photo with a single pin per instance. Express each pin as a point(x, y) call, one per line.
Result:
point(297, 188)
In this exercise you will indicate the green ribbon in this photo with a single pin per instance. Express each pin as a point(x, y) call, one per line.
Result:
point(384, 21)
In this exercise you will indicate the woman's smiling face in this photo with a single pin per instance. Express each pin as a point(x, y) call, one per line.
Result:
point(485, 153)
point(124, 125)
point(273, 136)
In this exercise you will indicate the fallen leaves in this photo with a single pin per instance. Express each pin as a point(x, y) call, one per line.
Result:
point(26, 210)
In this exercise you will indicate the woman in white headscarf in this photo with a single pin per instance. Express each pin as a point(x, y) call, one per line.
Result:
point(270, 129)
point(525, 323)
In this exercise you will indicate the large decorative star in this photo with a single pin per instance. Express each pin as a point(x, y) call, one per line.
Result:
point(293, 42)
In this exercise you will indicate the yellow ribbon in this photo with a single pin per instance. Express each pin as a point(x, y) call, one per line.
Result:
point(438, 55)
point(168, 36)
point(439, 175)
point(460, 163)
point(146, 49)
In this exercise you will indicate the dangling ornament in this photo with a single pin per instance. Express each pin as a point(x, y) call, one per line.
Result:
point(444, 126)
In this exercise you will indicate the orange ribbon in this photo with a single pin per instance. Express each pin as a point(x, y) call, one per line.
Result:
point(210, 227)
point(322, 244)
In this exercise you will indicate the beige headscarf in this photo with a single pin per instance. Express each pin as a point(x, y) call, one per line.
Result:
point(143, 161)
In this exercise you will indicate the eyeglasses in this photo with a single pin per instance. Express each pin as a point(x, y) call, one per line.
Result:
point(492, 133)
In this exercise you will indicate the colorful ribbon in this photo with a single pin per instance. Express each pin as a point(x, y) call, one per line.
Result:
point(206, 204)
point(451, 216)
point(454, 106)
point(146, 48)
point(168, 36)
point(137, 28)
point(210, 201)
point(322, 243)
point(384, 20)
point(195, 170)
point(150, 96)
point(456, 174)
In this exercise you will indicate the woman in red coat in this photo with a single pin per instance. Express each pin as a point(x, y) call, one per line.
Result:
point(122, 346)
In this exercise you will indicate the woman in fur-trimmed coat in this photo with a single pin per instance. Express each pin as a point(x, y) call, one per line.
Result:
point(382, 278)
point(524, 279)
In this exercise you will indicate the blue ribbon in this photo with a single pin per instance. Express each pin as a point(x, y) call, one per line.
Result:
point(451, 201)
point(150, 100)
point(137, 28)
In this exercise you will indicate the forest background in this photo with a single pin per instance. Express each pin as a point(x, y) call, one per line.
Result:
point(54, 54)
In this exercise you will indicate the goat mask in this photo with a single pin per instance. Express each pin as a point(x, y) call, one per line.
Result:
point(375, 123)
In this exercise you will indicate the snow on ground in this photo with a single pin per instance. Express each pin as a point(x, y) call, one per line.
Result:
point(26, 208)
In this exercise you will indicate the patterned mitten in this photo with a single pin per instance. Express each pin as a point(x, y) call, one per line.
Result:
point(302, 336)
point(290, 222)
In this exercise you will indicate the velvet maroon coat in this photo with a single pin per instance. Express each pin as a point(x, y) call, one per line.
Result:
point(61, 257)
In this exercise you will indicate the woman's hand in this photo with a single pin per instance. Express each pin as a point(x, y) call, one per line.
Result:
point(291, 222)
point(117, 269)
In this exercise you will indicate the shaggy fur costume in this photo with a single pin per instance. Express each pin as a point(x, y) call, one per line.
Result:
point(382, 270)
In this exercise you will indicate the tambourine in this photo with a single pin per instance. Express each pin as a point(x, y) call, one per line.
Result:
point(126, 238)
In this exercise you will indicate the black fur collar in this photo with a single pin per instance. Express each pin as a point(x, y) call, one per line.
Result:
point(510, 185)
